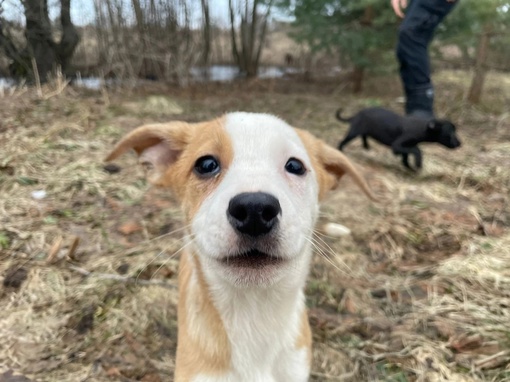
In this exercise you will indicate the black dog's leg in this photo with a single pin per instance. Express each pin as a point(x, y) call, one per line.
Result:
point(405, 161)
point(365, 142)
point(349, 137)
point(399, 149)
point(417, 157)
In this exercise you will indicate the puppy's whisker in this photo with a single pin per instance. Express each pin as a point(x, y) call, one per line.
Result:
point(167, 234)
point(323, 252)
point(318, 236)
point(147, 265)
point(171, 257)
point(317, 247)
point(148, 241)
point(154, 259)
point(323, 243)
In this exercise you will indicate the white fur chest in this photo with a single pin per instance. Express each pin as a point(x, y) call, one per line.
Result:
point(263, 346)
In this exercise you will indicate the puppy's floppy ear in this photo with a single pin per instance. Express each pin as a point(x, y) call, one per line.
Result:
point(158, 147)
point(330, 165)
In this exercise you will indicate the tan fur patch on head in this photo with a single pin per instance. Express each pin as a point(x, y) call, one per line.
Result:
point(207, 139)
point(330, 165)
point(171, 151)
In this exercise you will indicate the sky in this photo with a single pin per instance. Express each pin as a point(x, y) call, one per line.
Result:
point(82, 11)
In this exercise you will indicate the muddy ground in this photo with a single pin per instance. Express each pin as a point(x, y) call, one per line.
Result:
point(420, 291)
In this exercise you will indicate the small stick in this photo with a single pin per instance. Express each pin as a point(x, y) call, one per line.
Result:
point(342, 377)
point(123, 279)
point(483, 361)
point(37, 78)
point(73, 248)
point(55, 248)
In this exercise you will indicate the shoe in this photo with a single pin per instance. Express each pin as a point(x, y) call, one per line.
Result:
point(423, 114)
point(420, 102)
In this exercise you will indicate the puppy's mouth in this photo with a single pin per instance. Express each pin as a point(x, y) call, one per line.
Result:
point(253, 259)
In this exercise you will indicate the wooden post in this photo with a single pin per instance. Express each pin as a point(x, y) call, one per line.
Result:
point(480, 70)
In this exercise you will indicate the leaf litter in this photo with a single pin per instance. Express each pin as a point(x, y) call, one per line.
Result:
point(419, 290)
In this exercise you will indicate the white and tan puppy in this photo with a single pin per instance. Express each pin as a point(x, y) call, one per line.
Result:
point(249, 185)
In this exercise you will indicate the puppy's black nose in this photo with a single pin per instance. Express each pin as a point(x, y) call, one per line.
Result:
point(253, 213)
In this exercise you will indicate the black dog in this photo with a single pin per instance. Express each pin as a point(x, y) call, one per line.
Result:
point(402, 134)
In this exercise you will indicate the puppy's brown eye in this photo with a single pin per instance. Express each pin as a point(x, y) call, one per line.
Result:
point(295, 166)
point(207, 166)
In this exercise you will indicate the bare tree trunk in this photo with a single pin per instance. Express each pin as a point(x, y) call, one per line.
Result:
point(40, 45)
point(244, 38)
point(21, 66)
point(252, 30)
point(113, 24)
point(263, 32)
point(207, 32)
point(70, 36)
point(480, 70)
point(252, 66)
point(145, 65)
point(358, 72)
point(233, 34)
point(102, 36)
point(357, 79)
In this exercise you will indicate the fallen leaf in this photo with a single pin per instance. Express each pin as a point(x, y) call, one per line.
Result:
point(493, 361)
point(112, 203)
point(464, 343)
point(129, 227)
point(151, 377)
point(445, 329)
point(55, 248)
point(113, 372)
point(73, 248)
point(350, 305)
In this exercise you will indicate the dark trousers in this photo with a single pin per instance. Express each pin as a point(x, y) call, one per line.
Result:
point(414, 36)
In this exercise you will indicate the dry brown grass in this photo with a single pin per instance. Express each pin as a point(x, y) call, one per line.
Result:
point(418, 292)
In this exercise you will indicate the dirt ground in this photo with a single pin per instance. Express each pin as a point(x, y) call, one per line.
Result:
point(420, 291)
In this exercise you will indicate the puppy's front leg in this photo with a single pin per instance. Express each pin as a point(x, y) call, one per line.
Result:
point(399, 148)
point(366, 146)
point(417, 157)
point(405, 161)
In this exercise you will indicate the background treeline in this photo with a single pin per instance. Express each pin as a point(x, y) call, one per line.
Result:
point(162, 40)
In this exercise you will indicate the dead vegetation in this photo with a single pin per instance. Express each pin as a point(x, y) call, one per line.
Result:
point(418, 292)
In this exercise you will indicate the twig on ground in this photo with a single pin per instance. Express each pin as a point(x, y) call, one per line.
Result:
point(342, 377)
point(122, 279)
point(483, 361)
point(377, 357)
point(37, 78)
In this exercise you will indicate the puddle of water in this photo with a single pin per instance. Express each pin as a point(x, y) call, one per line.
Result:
point(7, 83)
point(230, 73)
point(215, 73)
point(93, 83)
point(220, 73)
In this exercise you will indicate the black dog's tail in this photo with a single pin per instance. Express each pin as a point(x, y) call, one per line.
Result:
point(338, 115)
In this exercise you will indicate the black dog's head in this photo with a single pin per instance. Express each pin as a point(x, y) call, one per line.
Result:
point(443, 132)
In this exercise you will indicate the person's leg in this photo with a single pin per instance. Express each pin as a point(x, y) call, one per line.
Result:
point(415, 34)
